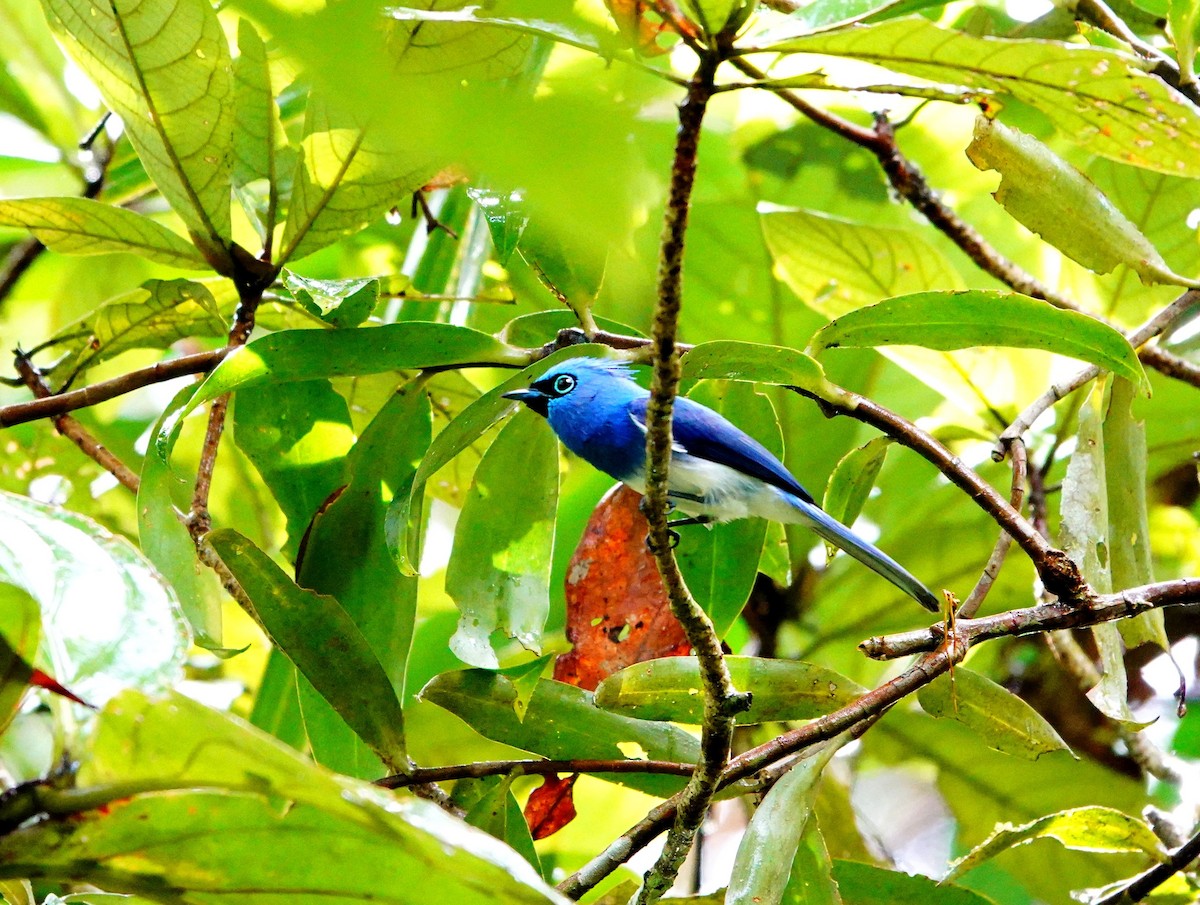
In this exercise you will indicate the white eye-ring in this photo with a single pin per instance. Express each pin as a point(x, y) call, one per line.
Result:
point(563, 384)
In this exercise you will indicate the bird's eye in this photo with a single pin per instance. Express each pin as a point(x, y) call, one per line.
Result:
point(563, 384)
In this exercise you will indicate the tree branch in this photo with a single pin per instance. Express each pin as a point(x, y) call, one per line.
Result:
point(61, 403)
point(1061, 614)
point(721, 701)
point(979, 593)
point(73, 430)
point(532, 768)
point(1156, 876)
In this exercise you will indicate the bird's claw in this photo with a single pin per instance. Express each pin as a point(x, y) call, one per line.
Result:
point(672, 541)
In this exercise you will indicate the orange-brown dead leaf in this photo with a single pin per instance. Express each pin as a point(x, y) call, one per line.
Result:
point(643, 32)
point(617, 613)
point(551, 806)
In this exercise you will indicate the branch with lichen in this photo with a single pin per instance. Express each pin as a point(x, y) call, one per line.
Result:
point(721, 701)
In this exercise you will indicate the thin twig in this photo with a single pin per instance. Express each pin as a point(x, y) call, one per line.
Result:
point(979, 593)
point(533, 768)
point(721, 701)
point(1156, 876)
point(73, 430)
point(1054, 567)
point(61, 403)
point(1047, 617)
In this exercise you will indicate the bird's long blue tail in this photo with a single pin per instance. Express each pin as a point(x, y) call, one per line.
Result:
point(828, 528)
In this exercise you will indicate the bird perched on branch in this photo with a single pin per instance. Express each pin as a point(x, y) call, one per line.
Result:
point(717, 472)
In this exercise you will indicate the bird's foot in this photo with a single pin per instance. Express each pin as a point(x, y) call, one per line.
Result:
point(672, 541)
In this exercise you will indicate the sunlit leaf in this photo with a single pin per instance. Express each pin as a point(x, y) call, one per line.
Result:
point(1076, 217)
point(1093, 829)
point(499, 571)
point(1101, 99)
point(729, 360)
point(20, 632)
point(866, 884)
point(1002, 720)
point(975, 317)
point(153, 316)
point(347, 176)
point(165, 70)
point(670, 689)
point(81, 226)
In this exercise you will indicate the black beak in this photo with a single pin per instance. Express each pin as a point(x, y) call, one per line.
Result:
point(534, 399)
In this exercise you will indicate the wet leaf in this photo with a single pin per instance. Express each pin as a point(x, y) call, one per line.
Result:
point(340, 303)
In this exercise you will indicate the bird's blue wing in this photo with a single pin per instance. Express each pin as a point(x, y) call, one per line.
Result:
point(707, 435)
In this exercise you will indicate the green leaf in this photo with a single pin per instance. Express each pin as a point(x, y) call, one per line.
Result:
point(1100, 99)
point(20, 632)
point(497, 813)
point(820, 15)
point(407, 509)
point(310, 355)
point(811, 881)
point(342, 303)
point(506, 219)
point(153, 316)
point(108, 619)
point(296, 435)
point(1002, 720)
point(717, 16)
point(852, 481)
point(567, 32)
point(669, 690)
point(1090, 829)
point(1128, 520)
point(561, 722)
point(499, 571)
point(346, 177)
point(81, 226)
point(1184, 17)
point(764, 858)
point(1076, 217)
point(165, 778)
point(164, 68)
point(323, 642)
point(866, 884)
point(260, 149)
point(166, 541)
point(347, 554)
point(976, 317)
point(760, 363)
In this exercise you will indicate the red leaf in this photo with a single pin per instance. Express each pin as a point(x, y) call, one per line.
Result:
point(642, 32)
point(41, 680)
point(617, 613)
point(551, 806)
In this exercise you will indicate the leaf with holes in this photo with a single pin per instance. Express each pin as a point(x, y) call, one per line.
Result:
point(1101, 99)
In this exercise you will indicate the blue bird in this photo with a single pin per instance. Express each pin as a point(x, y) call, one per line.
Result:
point(717, 474)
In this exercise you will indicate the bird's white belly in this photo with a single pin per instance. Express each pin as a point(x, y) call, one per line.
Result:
point(700, 487)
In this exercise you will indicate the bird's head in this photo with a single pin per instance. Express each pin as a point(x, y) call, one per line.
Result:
point(571, 382)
